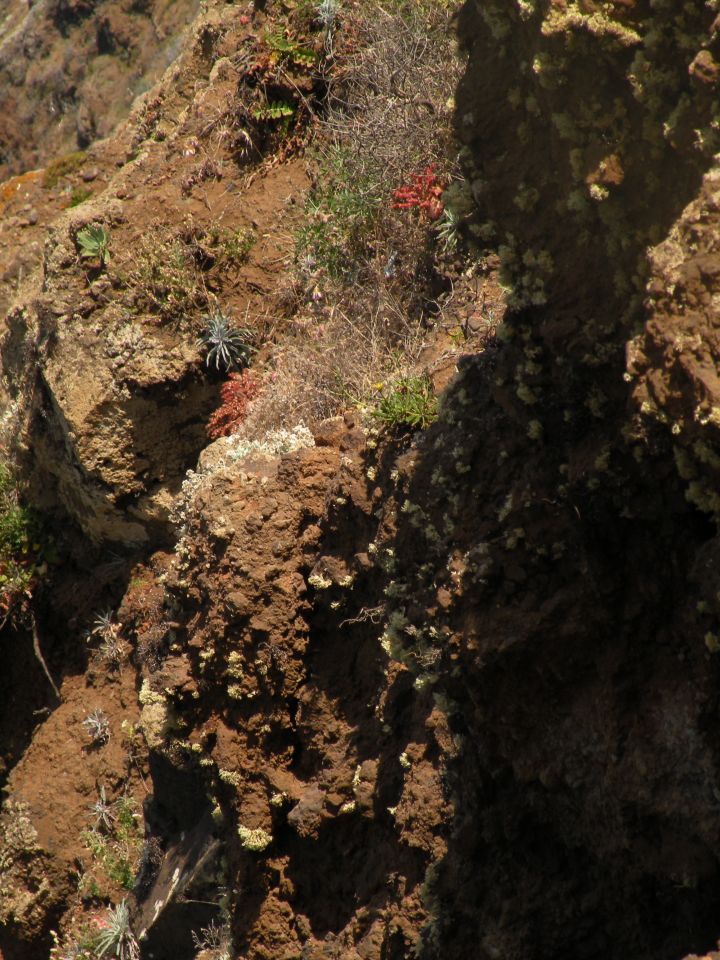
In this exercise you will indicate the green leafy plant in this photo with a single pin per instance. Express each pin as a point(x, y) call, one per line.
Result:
point(230, 247)
point(287, 47)
point(94, 241)
point(410, 403)
point(276, 110)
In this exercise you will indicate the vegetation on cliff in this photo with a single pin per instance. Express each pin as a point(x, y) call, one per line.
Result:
point(416, 657)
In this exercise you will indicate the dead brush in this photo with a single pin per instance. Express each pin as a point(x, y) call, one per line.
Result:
point(391, 98)
point(333, 359)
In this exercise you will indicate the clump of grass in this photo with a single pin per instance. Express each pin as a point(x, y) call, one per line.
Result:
point(78, 943)
point(332, 359)
point(114, 843)
point(391, 101)
point(214, 941)
point(79, 195)
point(409, 402)
point(63, 167)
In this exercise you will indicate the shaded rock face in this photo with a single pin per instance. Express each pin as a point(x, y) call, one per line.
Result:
point(109, 450)
point(585, 133)
point(578, 606)
point(70, 70)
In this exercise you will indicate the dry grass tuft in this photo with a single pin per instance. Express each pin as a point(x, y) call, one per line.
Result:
point(330, 361)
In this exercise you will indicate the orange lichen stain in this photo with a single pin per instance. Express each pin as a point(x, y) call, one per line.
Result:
point(12, 187)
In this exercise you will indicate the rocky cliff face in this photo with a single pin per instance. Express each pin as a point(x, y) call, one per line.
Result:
point(452, 694)
point(69, 71)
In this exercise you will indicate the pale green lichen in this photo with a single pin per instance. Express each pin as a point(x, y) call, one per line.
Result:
point(156, 716)
point(254, 840)
point(275, 443)
point(320, 581)
point(234, 668)
point(231, 777)
point(535, 430)
point(562, 22)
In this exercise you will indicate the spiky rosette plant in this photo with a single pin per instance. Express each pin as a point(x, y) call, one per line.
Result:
point(225, 344)
point(116, 938)
point(102, 812)
point(97, 726)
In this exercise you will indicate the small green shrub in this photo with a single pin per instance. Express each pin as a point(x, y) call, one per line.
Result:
point(410, 403)
point(342, 209)
point(230, 247)
point(80, 942)
point(94, 242)
point(114, 844)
